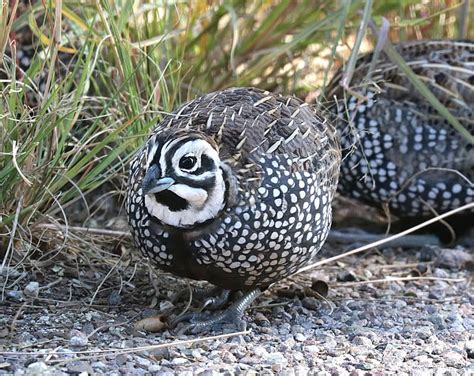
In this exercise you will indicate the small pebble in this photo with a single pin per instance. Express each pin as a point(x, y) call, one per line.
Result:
point(440, 273)
point(38, 369)
point(300, 337)
point(179, 361)
point(79, 367)
point(31, 290)
point(260, 351)
point(362, 341)
point(312, 349)
point(78, 338)
point(311, 303)
point(436, 294)
point(276, 357)
point(114, 298)
point(154, 368)
point(15, 295)
point(453, 359)
point(454, 259)
point(99, 365)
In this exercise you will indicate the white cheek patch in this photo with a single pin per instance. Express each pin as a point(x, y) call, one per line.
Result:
point(195, 196)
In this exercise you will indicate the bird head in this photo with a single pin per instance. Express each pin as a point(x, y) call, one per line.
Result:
point(184, 183)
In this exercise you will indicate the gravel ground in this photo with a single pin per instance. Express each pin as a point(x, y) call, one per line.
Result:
point(418, 322)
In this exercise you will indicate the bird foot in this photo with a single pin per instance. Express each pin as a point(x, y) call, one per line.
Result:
point(216, 302)
point(201, 321)
point(212, 296)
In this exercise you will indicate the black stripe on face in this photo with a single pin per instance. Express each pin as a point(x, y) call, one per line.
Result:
point(205, 184)
point(171, 152)
point(207, 164)
point(171, 200)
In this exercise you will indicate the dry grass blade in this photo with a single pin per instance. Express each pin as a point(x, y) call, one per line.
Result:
point(6, 23)
point(84, 230)
point(346, 80)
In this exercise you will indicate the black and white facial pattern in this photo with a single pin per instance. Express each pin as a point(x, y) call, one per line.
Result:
point(193, 188)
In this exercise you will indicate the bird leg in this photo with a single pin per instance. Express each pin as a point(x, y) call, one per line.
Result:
point(200, 321)
point(216, 302)
point(213, 297)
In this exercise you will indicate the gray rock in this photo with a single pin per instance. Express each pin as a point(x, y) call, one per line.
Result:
point(300, 337)
point(454, 359)
point(79, 367)
point(208, 373)
point(440, 273)
point(142, 362)
point(312, 349)
point(362, 341)
point(346, 276)
point(311, 303)
point(453, 259)
point(38, 369)
point(276, 357)
point(437, 320)
point(78, 338)
point(179, 361)
point(154, 368)
point(437, 294)
point(15, 295)
point(31, 290)
point(166, 305)
point(99, 365)
point(260, 351)
point(250, 360)
point(114, 298)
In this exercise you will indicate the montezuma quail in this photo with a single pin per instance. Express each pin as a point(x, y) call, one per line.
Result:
point(234, 188)
point(399, 150)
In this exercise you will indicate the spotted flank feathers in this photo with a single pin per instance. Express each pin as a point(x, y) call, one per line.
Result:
point(235, 188)
point(397, 150)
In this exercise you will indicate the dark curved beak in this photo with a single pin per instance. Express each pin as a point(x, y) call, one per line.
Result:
point(153, 183)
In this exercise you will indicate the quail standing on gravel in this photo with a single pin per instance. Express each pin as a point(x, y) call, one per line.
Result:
point(398, 150)
point(234, 188)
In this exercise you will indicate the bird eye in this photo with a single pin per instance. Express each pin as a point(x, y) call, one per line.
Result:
point(187, 162)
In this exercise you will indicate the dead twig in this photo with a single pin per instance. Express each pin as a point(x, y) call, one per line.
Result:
point(87, 230)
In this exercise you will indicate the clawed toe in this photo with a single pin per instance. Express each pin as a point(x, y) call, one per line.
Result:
point(201, 321)
point(216, 302)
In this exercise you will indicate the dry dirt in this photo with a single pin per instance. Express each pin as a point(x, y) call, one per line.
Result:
point(387, 311)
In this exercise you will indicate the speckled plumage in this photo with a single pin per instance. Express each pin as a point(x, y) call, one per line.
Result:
point(400, 151)
point(280, 164)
